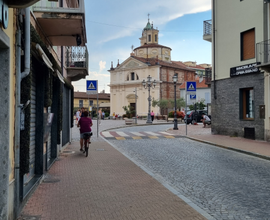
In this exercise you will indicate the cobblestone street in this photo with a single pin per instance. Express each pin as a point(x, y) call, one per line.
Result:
point(226, 184)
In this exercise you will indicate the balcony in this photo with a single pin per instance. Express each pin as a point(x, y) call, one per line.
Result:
point(63, 26)
point(208, 76)
point(207, 30)
point(263, 55)
point(20, 3)
point(76, 62)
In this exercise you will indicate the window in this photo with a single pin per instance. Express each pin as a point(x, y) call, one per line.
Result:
point(80, 103)
point(247, 103)
point(91, 102)
point(149, 38)
point(248, 44)
point(155, 38)
point(132, 76)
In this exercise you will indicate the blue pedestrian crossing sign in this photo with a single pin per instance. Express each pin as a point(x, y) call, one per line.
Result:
point(91, 86)
point(191, 86)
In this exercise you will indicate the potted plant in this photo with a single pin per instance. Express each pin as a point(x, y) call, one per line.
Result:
point(129, 113)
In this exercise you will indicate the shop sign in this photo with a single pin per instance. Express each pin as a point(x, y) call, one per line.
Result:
point(3, 14)
point(245, 69)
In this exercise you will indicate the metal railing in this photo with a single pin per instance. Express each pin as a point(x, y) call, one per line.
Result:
point(208, 75)
point(45, 6)
point(207, 27)
point(262, 52)
point(77, 57)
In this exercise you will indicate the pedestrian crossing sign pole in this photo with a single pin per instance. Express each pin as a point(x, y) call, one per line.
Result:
point(92, 88)
point(191, 88)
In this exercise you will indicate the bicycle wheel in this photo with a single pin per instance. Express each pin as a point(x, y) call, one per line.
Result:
point(86, 151)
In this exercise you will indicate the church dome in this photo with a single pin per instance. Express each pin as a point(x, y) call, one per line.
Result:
point(148, 26)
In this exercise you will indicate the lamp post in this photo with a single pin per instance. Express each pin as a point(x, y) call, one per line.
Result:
point(175, 78)
point(149, 84)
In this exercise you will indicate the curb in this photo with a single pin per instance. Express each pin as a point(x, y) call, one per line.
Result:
point(231, 148)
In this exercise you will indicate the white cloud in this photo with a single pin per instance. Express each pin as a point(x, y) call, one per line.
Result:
point(123, 18)
point(102, 65)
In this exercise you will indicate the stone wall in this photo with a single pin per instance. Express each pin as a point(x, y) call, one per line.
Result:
point(226, 107)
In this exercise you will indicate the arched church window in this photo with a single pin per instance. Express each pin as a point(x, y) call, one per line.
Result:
point(155, 38)
point(149, 38)
point(132, 76)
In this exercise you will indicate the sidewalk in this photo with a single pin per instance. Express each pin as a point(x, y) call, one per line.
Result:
point(252, 147)
point(104, 186)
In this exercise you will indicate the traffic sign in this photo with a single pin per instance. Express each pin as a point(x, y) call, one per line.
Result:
point(191, 86)
point(91, 86)
point(192, 96)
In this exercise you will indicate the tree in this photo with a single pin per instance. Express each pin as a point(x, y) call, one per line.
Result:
point(162, 104)
point(179, 103)
point(129, 111)
point(199, 105)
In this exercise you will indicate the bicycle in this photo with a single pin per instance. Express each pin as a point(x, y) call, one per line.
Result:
point(86, 137)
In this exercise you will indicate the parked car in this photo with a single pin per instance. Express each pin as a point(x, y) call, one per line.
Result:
point(192, 116)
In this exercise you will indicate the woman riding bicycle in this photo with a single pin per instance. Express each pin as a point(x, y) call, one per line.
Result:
point(85, 125)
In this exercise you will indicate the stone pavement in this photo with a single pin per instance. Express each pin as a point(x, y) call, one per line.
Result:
point(252, 147)
point(107, 185)
point(104, 185)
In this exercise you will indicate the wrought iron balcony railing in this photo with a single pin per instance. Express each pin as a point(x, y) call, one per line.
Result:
point(208, 75)
point(207, 27)
point(263, 52)
point(77, 57)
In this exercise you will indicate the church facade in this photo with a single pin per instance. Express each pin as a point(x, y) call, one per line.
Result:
point(149, 59)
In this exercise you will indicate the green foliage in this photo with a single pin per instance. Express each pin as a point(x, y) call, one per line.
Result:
point(129, 111)
point(200, 105)
point(179, 114)
point(162, 103)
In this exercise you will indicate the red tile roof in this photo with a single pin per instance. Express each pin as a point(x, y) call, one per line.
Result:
point(153, 62)
point(198, 84)
point(152, 45)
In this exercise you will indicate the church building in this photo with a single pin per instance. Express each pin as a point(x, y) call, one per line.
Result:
point(149, 59)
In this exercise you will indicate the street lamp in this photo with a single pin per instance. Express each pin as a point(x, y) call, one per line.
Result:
point(149, 84)
point(175, 78)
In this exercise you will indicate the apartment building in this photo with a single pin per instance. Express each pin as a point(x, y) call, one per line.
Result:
point(42, 50)
point(239, 81)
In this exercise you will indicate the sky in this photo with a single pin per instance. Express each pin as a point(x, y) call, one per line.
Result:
point(112, 27)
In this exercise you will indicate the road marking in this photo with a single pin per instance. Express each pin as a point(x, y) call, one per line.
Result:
point(120, 138)
point(122, 134)
point(107, 134)
point(152, 133)
point(169, 137)
point(153, 137)
point(137, 133)
point(163, 132)
point(136, 138)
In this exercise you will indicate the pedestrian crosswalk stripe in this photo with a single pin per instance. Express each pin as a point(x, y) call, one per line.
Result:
point(136, 138)
point(153, 137)
point(137, 133)
point(120, 138)
point(152, 133)
point(122, 134)
point(169, 136)
point(163, 132)
point(107, 134)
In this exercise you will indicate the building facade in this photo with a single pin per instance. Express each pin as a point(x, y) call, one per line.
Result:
point(149, 59)
point(42, 50)
point(92, 102)
point(239, 87)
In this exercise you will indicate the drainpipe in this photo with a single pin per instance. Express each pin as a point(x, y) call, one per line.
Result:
point(19, 76)
point(214, 48)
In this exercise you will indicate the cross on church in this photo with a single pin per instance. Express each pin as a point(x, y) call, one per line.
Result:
point(148, 16)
